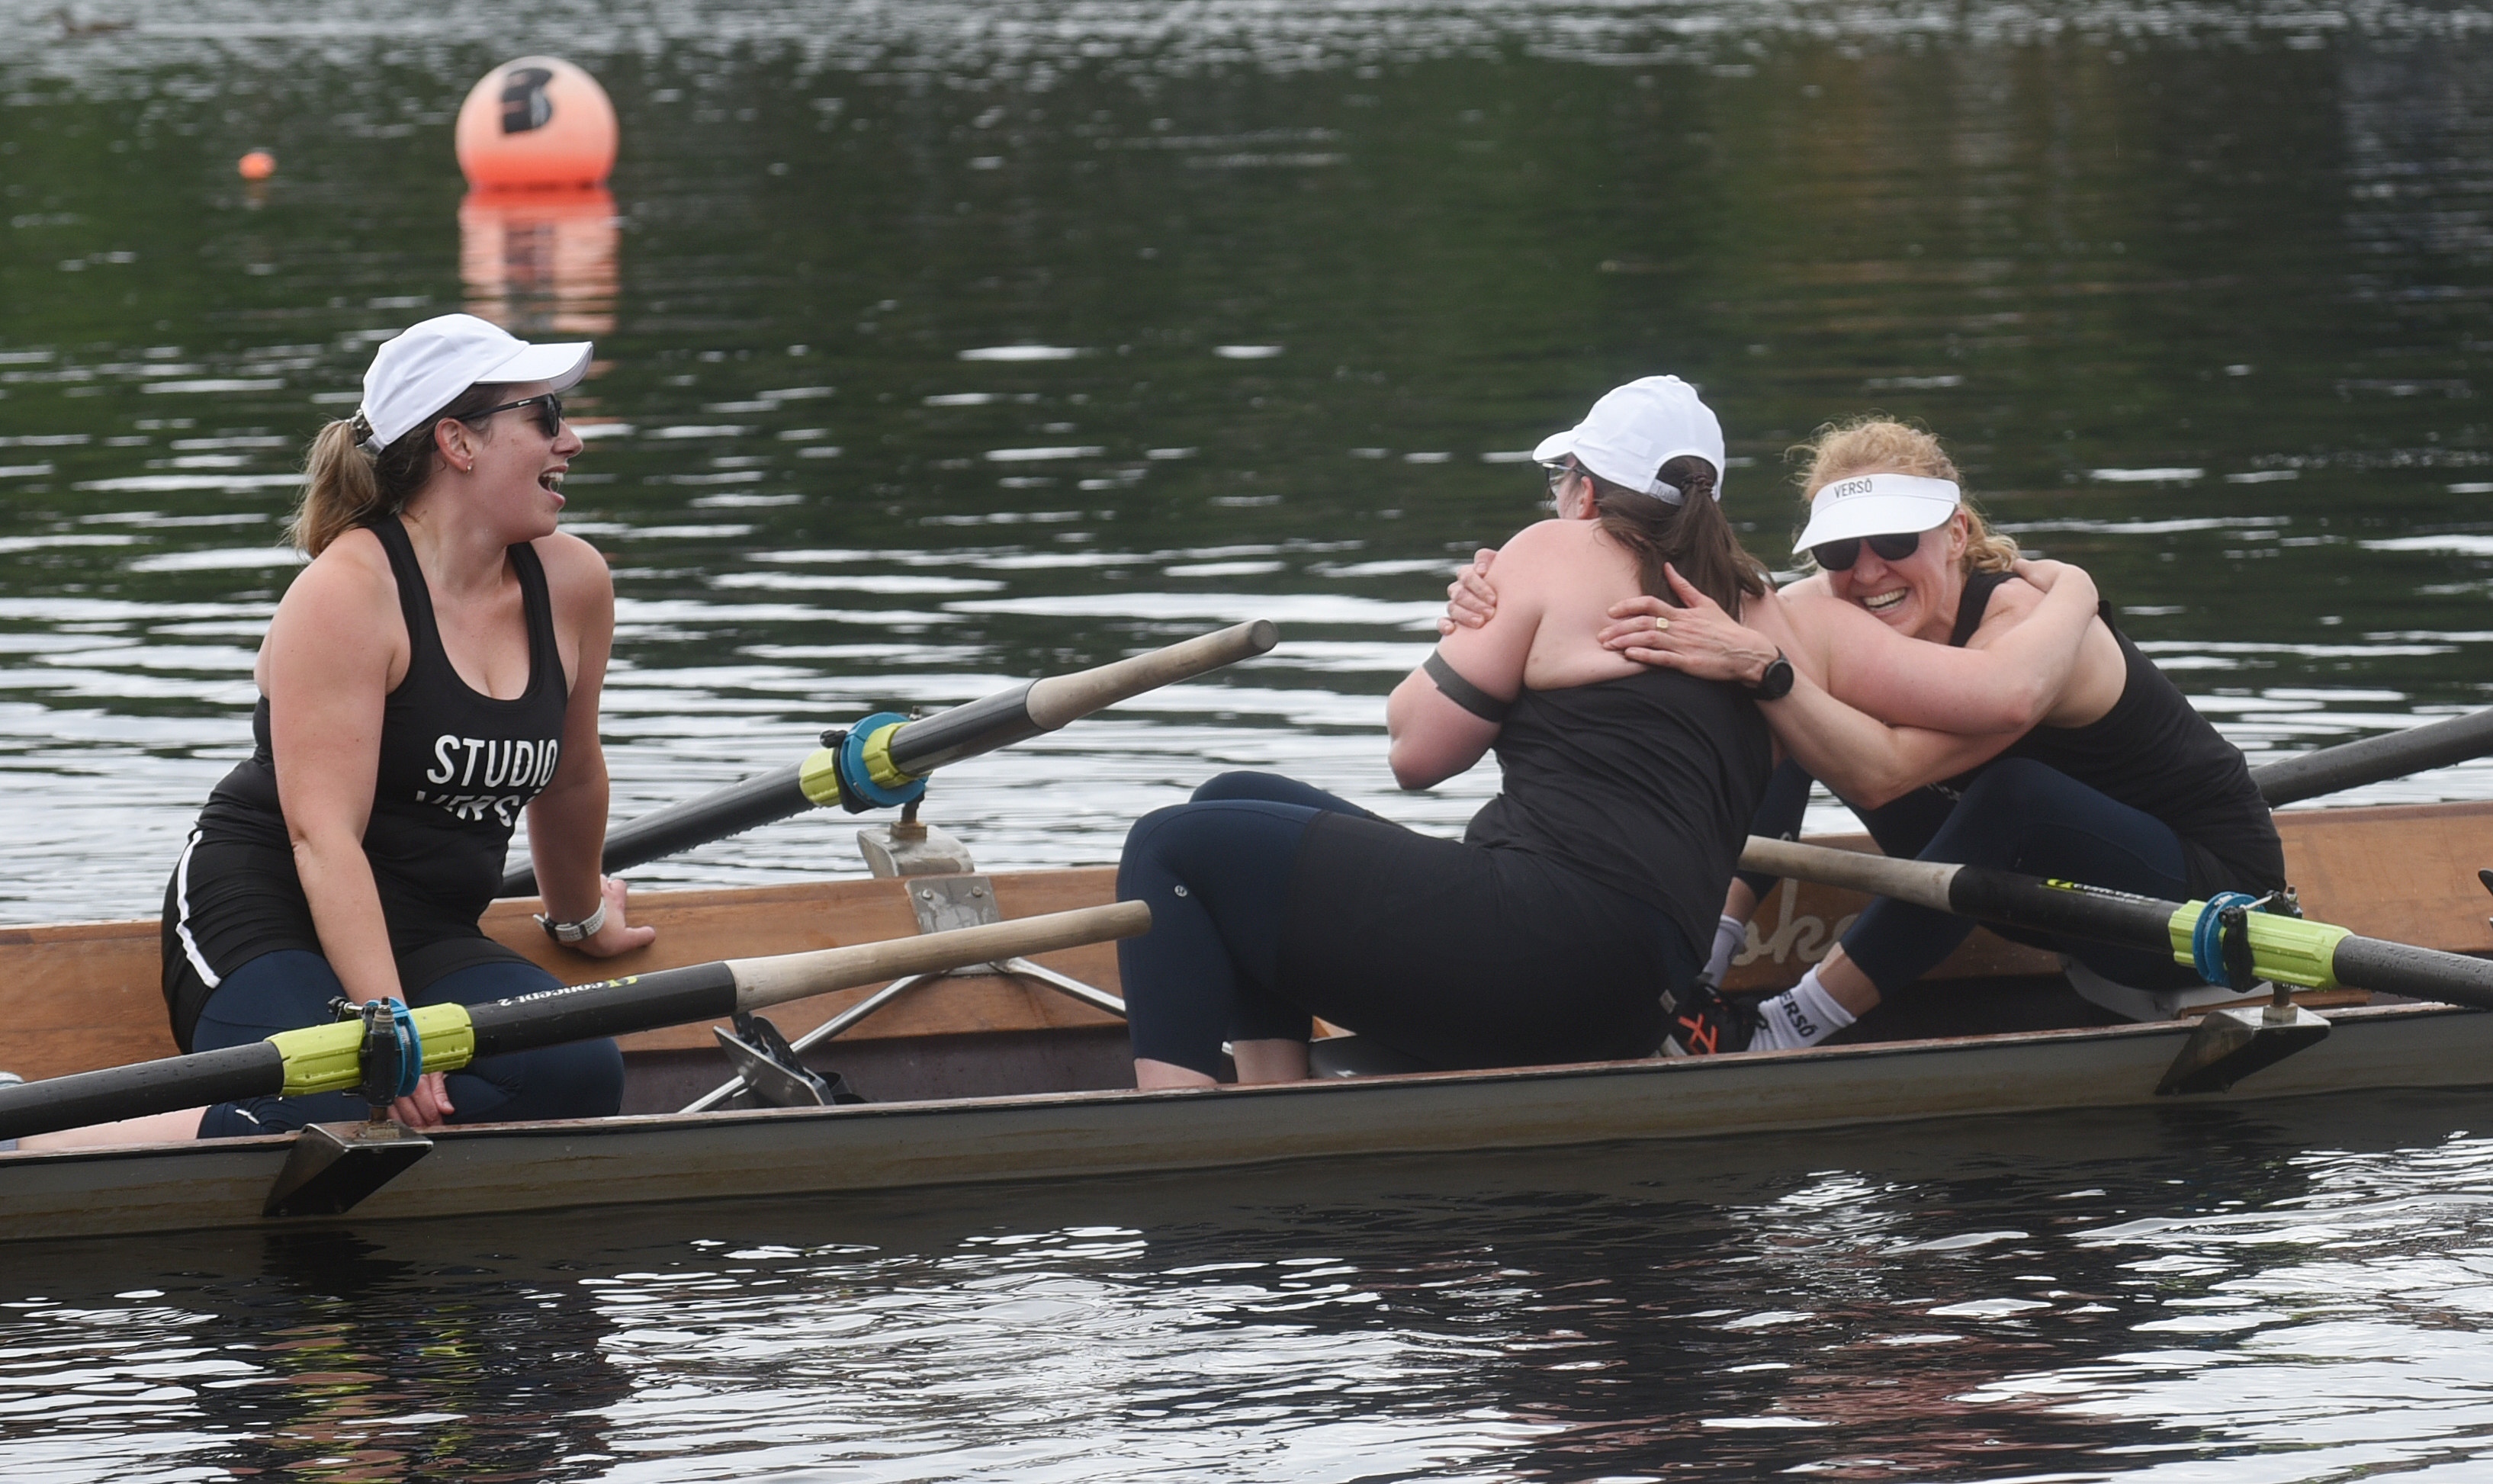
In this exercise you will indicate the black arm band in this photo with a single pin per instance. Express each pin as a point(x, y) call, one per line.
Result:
point(1462, 692)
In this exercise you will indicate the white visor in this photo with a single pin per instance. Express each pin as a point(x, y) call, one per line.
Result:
point(1877, 506)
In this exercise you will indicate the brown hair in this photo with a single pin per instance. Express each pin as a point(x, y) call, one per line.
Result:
point(1876, 446)
point(1691, 535)
point(345, 486)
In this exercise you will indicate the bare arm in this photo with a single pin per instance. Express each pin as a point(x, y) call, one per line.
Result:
point(1860, 757)
point(2006, 678)
point(2005, 681)
point(567, 822)
point(1430, 739)
point(326, 667)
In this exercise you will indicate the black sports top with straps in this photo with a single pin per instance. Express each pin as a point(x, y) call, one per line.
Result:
point(2156, 753)
point(1645, 784)
point(455, 767)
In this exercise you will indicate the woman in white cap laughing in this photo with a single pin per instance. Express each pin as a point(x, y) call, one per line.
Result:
point(2093, 767)
point(1593, 879)
point(431, 675)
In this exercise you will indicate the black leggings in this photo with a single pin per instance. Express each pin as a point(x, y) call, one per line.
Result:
point(290, 988)
point(1272, 901)
point(2017, 815)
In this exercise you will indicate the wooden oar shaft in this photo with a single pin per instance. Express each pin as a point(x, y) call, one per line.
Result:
point(2352, 765)
point(310, 1060)
point(1044, 705)
point(2068, 909)
point(916, 749)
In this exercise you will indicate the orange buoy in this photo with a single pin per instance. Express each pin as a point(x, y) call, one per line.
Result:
point(534, 123)
point(258, 164)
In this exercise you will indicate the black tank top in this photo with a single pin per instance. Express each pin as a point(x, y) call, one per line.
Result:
point(1645, 784)
point(455, 767)
point(2155, 752)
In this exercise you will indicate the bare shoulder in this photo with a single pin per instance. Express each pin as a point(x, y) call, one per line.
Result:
point(2012, 603)
point(350, 578)
point(1548, 551)
point(573, 568)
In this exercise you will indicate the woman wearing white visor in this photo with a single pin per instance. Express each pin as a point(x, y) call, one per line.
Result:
point(431, 675)
point(2104, 774)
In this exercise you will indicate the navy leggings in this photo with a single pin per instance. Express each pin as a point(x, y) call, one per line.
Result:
point(1217, 872)
point(2017, 815)
point(1272, 901)
point(290, 989)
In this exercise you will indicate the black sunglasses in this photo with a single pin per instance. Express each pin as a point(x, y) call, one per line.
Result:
point(1892, 546)
point(549, 407)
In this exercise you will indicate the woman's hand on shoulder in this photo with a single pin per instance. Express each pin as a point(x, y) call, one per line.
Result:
point(1470, 600)
point(1697, 638)
point(616, 935)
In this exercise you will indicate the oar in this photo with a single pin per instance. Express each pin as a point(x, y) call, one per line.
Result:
point(331, 1058)
point(2354, 764)
point(883, 760)
point(2284, 950)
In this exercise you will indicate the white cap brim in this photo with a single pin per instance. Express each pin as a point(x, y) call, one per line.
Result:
point(561, 364)
point(1560, 445)
point(1881, 504)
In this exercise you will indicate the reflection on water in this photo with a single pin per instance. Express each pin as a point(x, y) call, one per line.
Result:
point(2293, 1292)
point(539, 262)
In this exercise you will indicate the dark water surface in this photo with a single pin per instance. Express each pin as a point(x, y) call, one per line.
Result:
point(947, 344)
point(2294, 1291)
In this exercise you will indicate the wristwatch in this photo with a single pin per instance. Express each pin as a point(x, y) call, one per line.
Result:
point(587, 927)
point(1777, 681)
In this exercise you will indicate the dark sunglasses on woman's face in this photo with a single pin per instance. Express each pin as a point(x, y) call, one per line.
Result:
point(548, 413)
point(1838, 556)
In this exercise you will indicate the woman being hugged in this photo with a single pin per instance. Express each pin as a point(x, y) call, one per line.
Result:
point(1581, 890)
point(431, 674)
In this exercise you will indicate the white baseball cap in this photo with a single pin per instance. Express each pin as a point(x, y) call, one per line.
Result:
point(1637, 429)
point(423, 369)
point(1877, 506)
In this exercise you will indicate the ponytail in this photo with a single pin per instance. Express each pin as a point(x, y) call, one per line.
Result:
point(1691, 535)
point(346, 485)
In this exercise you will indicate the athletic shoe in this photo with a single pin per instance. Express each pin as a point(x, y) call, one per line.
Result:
point(1701, 1021)
point(8, 1079)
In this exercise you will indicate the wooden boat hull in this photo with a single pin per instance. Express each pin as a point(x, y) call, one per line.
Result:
point(521, 1168)
point(85, 995)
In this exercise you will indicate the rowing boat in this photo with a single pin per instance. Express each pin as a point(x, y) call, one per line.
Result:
point(983, 1076)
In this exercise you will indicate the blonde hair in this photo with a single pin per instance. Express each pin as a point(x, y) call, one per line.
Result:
point(1873, 445)
point(346, 485)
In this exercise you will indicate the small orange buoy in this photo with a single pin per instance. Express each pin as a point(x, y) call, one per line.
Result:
point(258, 164)
point(533, 123)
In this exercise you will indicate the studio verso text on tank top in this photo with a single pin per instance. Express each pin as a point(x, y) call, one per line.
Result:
point(467, 772)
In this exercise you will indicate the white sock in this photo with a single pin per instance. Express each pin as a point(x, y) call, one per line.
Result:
point(1802, 1016)
point(1730, 934)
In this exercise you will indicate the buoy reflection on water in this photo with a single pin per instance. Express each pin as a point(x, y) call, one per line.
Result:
point(540, 260)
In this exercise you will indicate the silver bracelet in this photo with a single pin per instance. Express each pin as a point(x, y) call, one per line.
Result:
point(574, 933)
